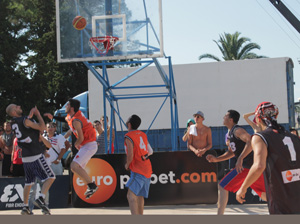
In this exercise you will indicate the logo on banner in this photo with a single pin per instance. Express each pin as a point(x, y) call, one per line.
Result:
point(12, 196)
point(104, 176)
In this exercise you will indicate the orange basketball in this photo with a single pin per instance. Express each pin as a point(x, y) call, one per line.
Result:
point(79, 23)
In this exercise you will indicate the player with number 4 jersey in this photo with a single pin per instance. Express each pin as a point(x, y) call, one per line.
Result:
point(138, 151)
point(140, 163)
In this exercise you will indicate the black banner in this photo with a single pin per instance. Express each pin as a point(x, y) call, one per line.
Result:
point(178, 178)
point(11, 192)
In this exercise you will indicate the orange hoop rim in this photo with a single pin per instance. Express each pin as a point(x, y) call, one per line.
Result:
point(107, 41)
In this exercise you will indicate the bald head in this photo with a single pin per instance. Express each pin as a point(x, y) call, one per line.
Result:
point(13, 110)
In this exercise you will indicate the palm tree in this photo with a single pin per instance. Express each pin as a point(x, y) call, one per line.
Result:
point(234, 47)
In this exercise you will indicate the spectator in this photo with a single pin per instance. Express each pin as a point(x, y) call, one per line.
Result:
point(100, 137)
point(17, 168)
point(59, 146)
point(8, 138)
point(200, 138)
point(102, 121)
point(1, 149)
point(187, 130)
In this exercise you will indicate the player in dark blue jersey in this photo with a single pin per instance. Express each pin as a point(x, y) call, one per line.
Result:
point(277, 155)
point(240, 148)
point(27, 132)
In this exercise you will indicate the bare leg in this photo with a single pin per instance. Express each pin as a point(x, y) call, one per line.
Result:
point(263, 196)
point(141, 203)
point(26, 192)
point(76, 168)
point(46, 185)
point(222, 200)
point(133, 203)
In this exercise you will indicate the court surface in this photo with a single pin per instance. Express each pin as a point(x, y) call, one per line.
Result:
point(201, 209)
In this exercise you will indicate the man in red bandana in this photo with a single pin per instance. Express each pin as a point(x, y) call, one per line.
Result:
point(277, 154)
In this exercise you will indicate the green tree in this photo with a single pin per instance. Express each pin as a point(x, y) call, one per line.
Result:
point(30, 74)
point(234, 47)
point(12, 47)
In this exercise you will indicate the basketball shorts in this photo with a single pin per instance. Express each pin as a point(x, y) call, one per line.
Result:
point(85, 153)
point(234, 180)
point(139, 184)
point(37, 169)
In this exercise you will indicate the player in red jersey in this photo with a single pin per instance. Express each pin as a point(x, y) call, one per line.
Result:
point(138, 151)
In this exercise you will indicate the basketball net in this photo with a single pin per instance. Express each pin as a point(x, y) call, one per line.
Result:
point(103, 44)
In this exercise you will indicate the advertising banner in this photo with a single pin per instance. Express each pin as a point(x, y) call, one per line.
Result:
point(11, 192)
point(178, 178)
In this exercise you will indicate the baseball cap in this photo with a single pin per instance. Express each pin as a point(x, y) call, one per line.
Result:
point(266, 111)
point(190, 120)
point(199, 113)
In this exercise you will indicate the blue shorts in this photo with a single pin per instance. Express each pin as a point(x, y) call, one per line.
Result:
point(37, 169)
point(139, 184)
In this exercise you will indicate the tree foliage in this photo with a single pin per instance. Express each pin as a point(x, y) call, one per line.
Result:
point(30, 74)
point(234, 47)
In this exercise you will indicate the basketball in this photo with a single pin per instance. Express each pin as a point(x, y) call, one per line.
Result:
point(79, 23)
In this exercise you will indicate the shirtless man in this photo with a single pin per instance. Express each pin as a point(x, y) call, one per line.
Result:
point(200, 139)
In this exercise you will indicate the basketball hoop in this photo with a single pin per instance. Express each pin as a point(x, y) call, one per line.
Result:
point(103, 44)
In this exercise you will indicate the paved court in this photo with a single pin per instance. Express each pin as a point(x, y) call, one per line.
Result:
point(203, 209)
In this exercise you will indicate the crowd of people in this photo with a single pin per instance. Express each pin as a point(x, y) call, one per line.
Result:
point(267, 161)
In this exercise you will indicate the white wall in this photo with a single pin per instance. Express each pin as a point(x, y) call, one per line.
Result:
point(213, 88)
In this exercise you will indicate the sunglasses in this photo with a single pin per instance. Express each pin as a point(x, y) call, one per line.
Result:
point(197, 116)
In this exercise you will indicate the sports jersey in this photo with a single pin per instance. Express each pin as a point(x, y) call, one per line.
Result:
point(8, 138)
point(282, 173)
point(89, 132)
point(57, 142)
point(17, 157)
point(140, 150)
point(28, 138)
point(237, 146)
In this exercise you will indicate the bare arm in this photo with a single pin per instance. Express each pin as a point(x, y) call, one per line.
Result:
point(46, 142)
point(62, 152)
point(13, 151)
point(186, 135)
point(258, 167)
point(226, 156)
point(68, 134)
point(190, 145)
point(129, 157)
point(255, 127)
point(38, 126)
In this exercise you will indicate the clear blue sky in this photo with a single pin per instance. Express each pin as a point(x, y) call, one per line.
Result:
point(189, 28)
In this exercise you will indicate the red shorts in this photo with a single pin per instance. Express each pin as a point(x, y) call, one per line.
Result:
point(234, 180)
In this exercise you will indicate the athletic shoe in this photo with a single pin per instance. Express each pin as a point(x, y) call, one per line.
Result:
point(42, 205)
point(26, 211)
point(90, 191)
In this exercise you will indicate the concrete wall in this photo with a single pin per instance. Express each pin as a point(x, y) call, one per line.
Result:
point(211, 87)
